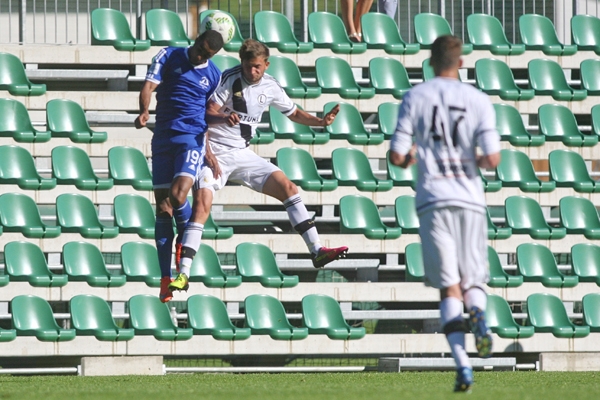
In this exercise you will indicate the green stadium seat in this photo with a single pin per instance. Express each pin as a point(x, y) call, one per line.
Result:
point(334, 75)
point(288, 75)
point(352, 168)
point(265, 315)
point(538, 33)
point(348, 125)
point(401, 176)
point(140, 263)
point(596, 119)
point(207, 315)
point(536, 263)
point(110, 28)
point(557, 123)
point(19, 213)
point(72, 166)
point(274, 30)
point(579, 216)
point(511, 127)
point(18, 168)
point(496, 232)
point(322, 315)
point(547, 313)
point(134, 214)
point(415, 270)
point(128, 166)
point(359, 215)
point(236, 42)
point(516, 170)
point(490, 185)
point(388, 76)
point(14, 79)
point(299, 166)
point(224, 61)
point(83, 262)
point(91, 316)
point(7, 335)
point(498, 276)
point(406, 214)
point(206, 268)
point(256, 262)
point(500, 320)
point(524, 216)
point(148, 316)
point(214, 231)
point(547, 78)
point(15, 123)
point(486, 33)
point(66, 118)
point(285, 128)
point(164, 28)
point(494, 77)
point(585, 32)
point(427, 70)
point(381, 32)
point(25, 262)
point(591, 311)
point(77, 214)
point(585, 262)
point(429, 26)
point(262, 137)
point(33, 316)
point(590, 70)
point(568, 169)
point(326, 31)
point(387, 118)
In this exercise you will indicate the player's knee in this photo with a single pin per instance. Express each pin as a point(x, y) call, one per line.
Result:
point(290, 188)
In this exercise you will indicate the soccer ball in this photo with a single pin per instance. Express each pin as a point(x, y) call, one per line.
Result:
point(220, 22)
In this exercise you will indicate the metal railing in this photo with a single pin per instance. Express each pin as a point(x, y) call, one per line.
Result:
point(64, 22)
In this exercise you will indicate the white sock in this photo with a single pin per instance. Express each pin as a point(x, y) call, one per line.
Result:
point(451, 310)
point(192, 237)
point(475, 297)
point(302, 223)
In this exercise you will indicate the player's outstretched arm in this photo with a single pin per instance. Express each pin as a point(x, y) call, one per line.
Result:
point(304, 118)
point(145, 98)
point(215, 116)
point(404, 160)
point(489, 160)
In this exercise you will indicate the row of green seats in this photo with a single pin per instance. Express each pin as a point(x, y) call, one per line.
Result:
point(535, 263)
point(523, 216)
point(206, 315)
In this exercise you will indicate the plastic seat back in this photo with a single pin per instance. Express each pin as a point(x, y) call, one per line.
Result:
point(381, 32)
point(494, 76)
point(274, 30)
point(110, 28)
point(91, 315)
point(206, 268)
point(516, 170)
point(486, 33)
point(17, 167)
point(164, 28)
point(536, 262)
point(547, 313)
point(299, 166)
point(25, 262)
point(236, 42)
point(427, 70)
point(83, 262)
point(546, 76)
point(351, 167)
point(265, 315)
point(579, 215)
point(208, 315)
point(538, 33)
point(72, 166)
point(568, 169)
point(77, 214)
point(428, 27)
point(510, 125)
point(401, 176)
point(406, 214)
point(16, 123)
point(348, 124)
point(256, 262)
point(33, 316)
point(388, 75)
point(224, 61)
point(415, 270)
point(326, 30)
point(14, 79)
point(140, 263)
point(322, 314)
point(286, 72)
point(66, 118)
point(134, 214)
point(334, 75)
point(20, 213)
point(585, 32)
point(358, 214)
point(387, 117)
point(128, 166)
point(596, 119)
point(591, 311)
point(500, 320)
point(585, 261)
point(558, 123)
point(148, 316)
point(523, 213)
point(590, 70)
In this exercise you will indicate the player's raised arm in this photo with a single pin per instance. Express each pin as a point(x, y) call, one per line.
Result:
point(215, 116)
point(304, 118)
point(145, 98)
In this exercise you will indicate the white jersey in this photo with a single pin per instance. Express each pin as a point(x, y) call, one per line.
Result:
point(447, 119)
point(248, 101)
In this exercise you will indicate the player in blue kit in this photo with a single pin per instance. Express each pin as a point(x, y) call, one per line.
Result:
point(184, 80)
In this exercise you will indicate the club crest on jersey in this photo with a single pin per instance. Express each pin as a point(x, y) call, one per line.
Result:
point(204, 83)
point(262, 99)
point(237, 94)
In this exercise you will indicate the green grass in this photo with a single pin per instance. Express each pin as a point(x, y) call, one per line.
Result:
point(342, 386)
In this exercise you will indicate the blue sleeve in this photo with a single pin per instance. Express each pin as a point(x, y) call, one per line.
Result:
point(158, 62)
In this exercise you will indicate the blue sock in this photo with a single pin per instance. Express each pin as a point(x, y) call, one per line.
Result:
point(163, 235)
point(182, 216)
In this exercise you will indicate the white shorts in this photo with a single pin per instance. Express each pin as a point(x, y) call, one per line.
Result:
point(454, 243)
point(241, 166)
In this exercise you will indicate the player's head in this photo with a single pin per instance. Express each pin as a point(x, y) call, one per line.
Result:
point(445, 55)
point(206, 45)
point(255, 59)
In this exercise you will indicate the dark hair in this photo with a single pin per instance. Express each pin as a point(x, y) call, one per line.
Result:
point(212, 38)
point(445, 53)
point(252, 49)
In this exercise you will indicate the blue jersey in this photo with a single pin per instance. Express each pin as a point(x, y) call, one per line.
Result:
point(182, 94)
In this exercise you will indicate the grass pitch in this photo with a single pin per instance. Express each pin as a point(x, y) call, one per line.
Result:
point(293, 386)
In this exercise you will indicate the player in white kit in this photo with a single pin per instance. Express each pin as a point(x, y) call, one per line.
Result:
point(440, 123)
point(233, 113)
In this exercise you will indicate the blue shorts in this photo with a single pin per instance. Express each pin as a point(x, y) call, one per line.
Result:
point(170, 160)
